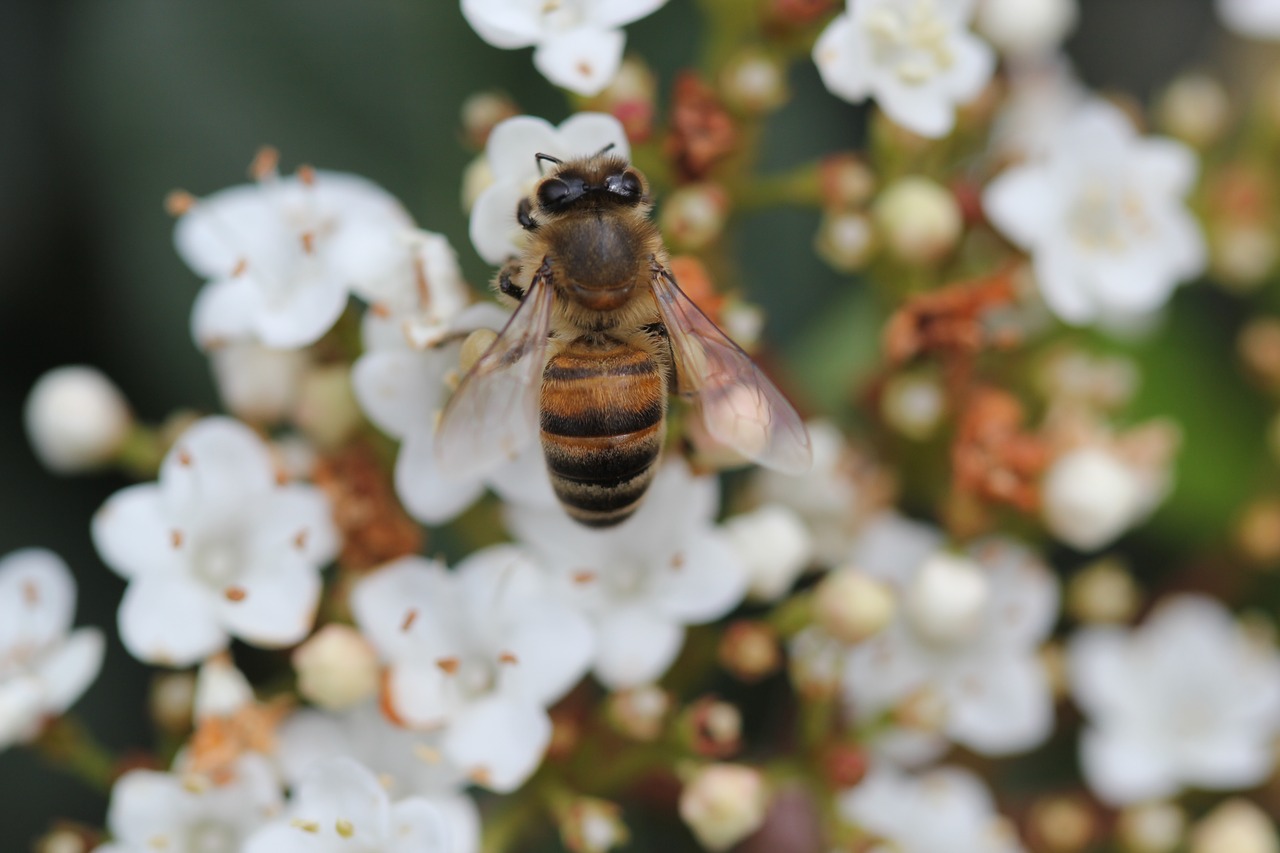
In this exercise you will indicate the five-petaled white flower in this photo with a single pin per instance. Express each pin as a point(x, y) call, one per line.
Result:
point(282, 255)
point(217, 547)
point(181, 812)
point(1258, 19)
point(44, 665)
point(1103, 217)
point(947, 808)
point(577, 43)
point(340, 807)
point(917, 58)
point(966, 634)
point(510, 153)
point(403, 388)
point(481, 650)
point(1189, 699)
point(408, 762)
point(643, 581)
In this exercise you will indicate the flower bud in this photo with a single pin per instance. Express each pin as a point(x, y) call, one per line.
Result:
point(221, 688)
point(947, 598)
point(640, 712)
point(1026, 28)
point(1195, 109)
point(754, 83)
point(723, 804)
point(1258, 532)
point(1063, 824)
point(256, 383)
point(1151, 828)
point(919, 219)
point(474, 346)
point(476, 178)
point(336, 667)
point(326, 410)
point(76, 419)
point(852, 606)
point(65, 839)
point(1089, 498)
point(712, 728)
point(630, 98)
point(774, 545)
point(172, 701)
point(591, 825)
point(845, 240)
point(749, 650)
point(1244, 254)
point(847, 181)
point(1103, 592)
point(481, 112)
point(694, 215)
point(1236, 826)
point(913, 404)
point(844, 765)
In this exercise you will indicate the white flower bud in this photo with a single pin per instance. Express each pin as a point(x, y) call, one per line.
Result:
point(326, 410)
point(774, 545)
point(640, 712)
point(913, 405)
point(694, 215)
point(919, 219)
point(221, 689)
point(172, 701)
point(1244, 255)
point(1151, 828)
point(845, 240)
point(1089, 497)
point(1236, 826)
point(590, 825)
point(1026, 27)
point(947, 599)
point(257, 383)
point(1195, 108)
point(852, 606)
point(337, 668)
point(755, 83)
point(723, 804)
point(76, 419)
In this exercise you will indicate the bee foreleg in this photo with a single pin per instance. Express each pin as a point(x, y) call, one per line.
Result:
point(506, 284)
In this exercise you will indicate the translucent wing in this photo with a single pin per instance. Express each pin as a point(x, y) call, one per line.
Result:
point(740, 407)
point(494, 413)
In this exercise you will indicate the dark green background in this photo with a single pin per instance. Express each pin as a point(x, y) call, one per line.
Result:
point(106, 106)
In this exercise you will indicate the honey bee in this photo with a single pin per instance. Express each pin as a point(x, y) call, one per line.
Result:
point(600, 335)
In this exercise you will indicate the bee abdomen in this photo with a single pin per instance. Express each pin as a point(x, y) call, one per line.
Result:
point(602, 412)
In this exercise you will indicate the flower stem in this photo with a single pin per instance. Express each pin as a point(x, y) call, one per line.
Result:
point(69, 745)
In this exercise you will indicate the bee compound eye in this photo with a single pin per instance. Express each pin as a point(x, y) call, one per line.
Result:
point(625, 184)
point(554, 192)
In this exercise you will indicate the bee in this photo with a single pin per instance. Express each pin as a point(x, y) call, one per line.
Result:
point(600, 336)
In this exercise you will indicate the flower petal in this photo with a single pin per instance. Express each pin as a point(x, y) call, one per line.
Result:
point(702, 582)
point(402, 390)
point(504, 23)
point(417, 826)
point(427, 493)
point(499, 742)
point(224, 311)
point(169, 621)
point(635, 647)
point(1019, 203)
point(133, 534)
point(37, 600)
point(315, 301)
point(1122, 768)
point(69, 669)
point(582, 60)
point(274, 602)
point(1002, 706)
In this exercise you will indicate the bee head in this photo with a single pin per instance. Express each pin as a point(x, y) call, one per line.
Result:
point(602, 180)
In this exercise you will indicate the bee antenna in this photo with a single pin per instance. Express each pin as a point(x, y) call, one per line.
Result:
point(546, 158)
point(607, 149)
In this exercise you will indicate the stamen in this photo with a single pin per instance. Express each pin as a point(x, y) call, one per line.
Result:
point(265, 163)
point(176, 539)
point(481, 776)
point(31, 593)
point(235, 593)
point(179, 203)
point(410, 616)
point(344, 828)
point(184, 458)
point(305, 825)
point(300, 540)
point(449, 665)
point(584, 576)
point(308, 242)
point(426, 754)
point(240, 267)
point(307, 174)
point(508, 657)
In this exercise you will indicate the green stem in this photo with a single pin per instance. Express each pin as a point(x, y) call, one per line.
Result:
point(69, 745)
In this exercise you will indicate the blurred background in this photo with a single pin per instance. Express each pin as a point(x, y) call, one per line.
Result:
point(107, 106)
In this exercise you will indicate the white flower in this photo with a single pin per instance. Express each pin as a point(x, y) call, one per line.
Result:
point(281, 255)
point(948, 808)
point(403, 389)
point(1186, 700)
point(774, 545)
point(76, 419)
point(724, 803)
point(1027, 28)
point(481, 650)
point(577, 43)
point(1258, 19)
point(258, 383)
point(1103, 217)
point(408, 763)
point(917, 58)
point(1090, 496)
point(1042, 98)
point(643, 581)
point(44, 665)
point(341, 808)
point(966, 634)
point(216, 548)
point(185, 813)
point(510, 154)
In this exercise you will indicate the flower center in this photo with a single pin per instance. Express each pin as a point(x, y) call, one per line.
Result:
point(217, 563)
point(910, 39)
point(561, 15)
point(211, 837)
point(1106, 218)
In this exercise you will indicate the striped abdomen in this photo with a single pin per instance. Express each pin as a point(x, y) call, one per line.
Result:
point(603, 405)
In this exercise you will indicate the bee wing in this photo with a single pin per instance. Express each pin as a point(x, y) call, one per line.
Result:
point(739, 406)
point(494, 413)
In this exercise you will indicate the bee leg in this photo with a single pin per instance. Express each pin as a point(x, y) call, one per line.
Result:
point(506, 285)
point(524, 215)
